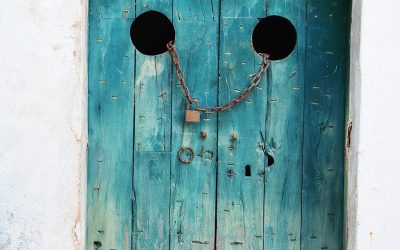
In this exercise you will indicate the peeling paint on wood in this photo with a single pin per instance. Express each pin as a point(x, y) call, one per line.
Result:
point(141, 197)
point(110, 147)
point(324, 127)
point(284, 134)
point(193, 186)
point(242, 196)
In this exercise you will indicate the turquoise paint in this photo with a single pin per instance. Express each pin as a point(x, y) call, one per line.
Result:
point(110, 134)
point(115, 9)
point(324, 124)
point(193, 186)
point(240, 198)
point(284, 137)
point(151, 192)
point(152, 145)
point(141, 197)
point(153, 92)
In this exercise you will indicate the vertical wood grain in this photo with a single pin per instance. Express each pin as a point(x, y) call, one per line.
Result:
point(153, 91)
point(141, 197)
point(284, 136)
point(325, 87)
point(110, 134)
point(193, 186)
point(151, 185)
point(240, 197)
point(112, 9)
point(151, 175)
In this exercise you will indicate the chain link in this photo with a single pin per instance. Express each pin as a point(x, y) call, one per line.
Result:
point(209, 110)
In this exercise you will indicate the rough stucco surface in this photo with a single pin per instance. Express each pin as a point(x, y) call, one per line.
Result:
point(374, 162)
point(42, 124)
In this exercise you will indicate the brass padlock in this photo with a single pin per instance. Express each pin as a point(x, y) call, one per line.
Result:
point(192, 116)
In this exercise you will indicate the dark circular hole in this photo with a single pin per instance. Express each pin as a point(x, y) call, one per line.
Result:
point(275, 36)
point(151, 31)
point(97, 244)
point(270, 160)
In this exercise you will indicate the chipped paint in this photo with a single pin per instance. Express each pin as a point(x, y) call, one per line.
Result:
point(37, 132)
point(151, 67)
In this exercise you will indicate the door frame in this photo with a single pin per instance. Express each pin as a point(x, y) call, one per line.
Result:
point(352, 131)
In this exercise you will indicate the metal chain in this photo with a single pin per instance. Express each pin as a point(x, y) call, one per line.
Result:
point(209, 110)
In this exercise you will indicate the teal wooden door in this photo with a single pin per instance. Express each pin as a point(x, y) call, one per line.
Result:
point(140, 196)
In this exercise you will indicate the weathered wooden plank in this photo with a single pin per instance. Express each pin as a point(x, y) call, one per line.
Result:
point(112, 9)
point(152, 143)
point(110, 134)
point(240, 197)
point(193, 186)
point(175, 204)
point(151, 214)
point(284, 136)
point(324, 107)
point(153, 92)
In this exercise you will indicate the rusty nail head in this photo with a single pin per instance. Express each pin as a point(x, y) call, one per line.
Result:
point(234, 136)
point(203, 134)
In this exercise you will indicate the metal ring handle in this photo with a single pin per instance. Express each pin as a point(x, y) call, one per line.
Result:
point(181, 150)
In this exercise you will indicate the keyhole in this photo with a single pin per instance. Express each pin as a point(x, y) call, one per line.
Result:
point(151, 31)
point(247, 170)
point(275, 36)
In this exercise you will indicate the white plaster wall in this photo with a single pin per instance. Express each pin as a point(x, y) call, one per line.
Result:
point(374, 157)
point(42, 124)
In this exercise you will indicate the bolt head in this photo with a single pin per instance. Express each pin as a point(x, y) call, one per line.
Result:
point(203, 134)
point(234, 136)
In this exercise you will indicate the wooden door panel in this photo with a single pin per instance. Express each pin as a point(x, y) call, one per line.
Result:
point(140, 196)
point(284, 137)
point(115, 9)
point(193, 186)
point(110, 130)
point(153, 92)
point(151, 199)
point(152, 147)
point(324, 120)
point(240, 197)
